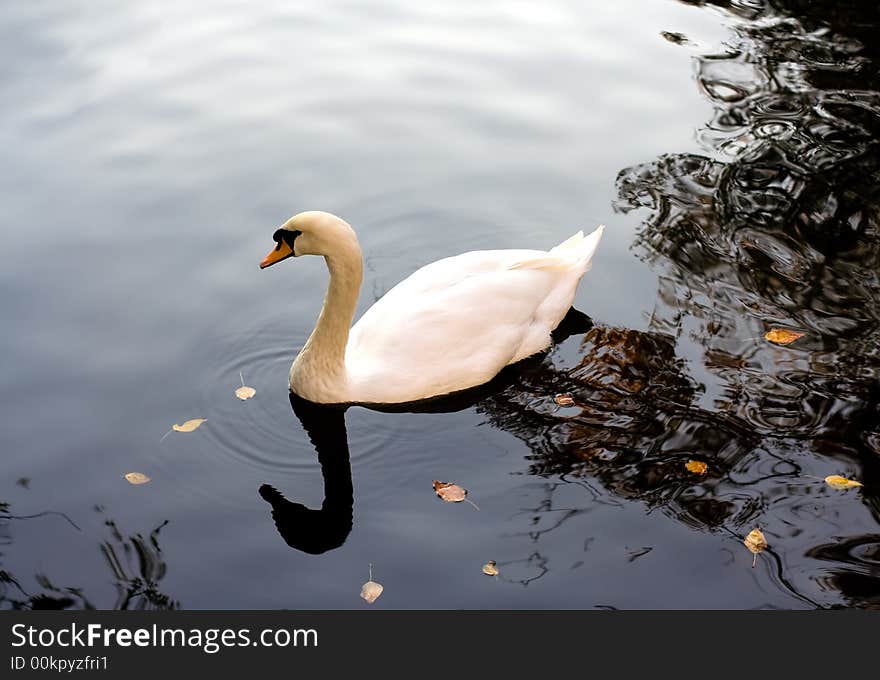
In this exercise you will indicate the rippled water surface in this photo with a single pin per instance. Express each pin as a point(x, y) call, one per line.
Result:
point(152, 148)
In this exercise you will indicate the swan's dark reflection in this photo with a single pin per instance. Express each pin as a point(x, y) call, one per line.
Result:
point(305, 529)
point(317, 531)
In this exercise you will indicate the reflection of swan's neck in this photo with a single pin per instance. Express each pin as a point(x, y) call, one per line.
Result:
point(338, 485)
point(326, 430)
point(317, 531)
point(322, 359)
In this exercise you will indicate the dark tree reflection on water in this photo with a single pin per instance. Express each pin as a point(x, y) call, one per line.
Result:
point(776, 225)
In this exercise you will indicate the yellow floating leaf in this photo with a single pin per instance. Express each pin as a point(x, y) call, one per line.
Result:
point(245, 392)
point(838, 482)
point(782, 336)
point(189, 425)
point(489, 569)
point(136, 478)
point(371, 590)
point(698, 467)
point(564, 399)
point(451, 493)
point(756, 543)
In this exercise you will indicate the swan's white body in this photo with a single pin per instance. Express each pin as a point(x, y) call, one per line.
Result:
point(451, 325)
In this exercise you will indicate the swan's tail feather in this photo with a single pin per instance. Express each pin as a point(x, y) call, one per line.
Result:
point(573, 253)
point(570, 243)
point(580, 248)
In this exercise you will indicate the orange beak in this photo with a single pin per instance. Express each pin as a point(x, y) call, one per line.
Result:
point(281, 252)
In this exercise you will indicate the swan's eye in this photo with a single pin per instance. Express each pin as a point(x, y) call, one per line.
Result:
point(277, 237)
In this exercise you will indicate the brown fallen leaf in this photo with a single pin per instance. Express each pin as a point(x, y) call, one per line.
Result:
point(136, 478)
point(451, 493)
point(782, 336)
point(756, 543)
point(244, 392)
point(698, 467)
point(838, 482)
point(564, 400)
point(371, 590)
point(489, 569)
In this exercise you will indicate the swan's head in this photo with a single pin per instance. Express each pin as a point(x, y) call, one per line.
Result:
point(311, 233)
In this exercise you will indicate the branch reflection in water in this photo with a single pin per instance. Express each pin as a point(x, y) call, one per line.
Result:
point(135, 562)
point(777, 225)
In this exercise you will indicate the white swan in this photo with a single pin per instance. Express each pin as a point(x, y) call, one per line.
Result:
point(453, 324)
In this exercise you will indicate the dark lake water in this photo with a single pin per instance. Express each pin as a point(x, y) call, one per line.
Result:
point(151, 149)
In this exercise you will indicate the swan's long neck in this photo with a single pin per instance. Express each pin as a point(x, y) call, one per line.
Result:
point(322, 359)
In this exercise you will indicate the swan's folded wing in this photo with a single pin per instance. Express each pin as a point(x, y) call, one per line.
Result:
point(455, 323)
